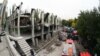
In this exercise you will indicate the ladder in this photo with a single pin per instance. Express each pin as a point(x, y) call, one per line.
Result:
point(25, 47)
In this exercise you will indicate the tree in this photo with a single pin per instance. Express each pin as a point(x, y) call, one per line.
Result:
point(67, 22)
point(70, 22)
point(64, 22)
point(74, 21)
point(88, 26)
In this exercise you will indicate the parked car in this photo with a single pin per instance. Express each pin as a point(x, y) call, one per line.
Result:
point(62, 35)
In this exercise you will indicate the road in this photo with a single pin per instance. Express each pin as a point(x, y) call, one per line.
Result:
point(57, 51)
point(3, 49)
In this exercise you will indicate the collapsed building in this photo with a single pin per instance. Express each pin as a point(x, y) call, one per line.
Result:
point(29, 32)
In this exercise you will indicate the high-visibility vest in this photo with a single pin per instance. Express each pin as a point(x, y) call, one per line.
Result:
point(81, 54)
point(88, 54)
point(85, 54)
point(70, 51)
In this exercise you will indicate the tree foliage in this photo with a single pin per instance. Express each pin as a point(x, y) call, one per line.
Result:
point(88, 26)
point(74, 22)
point(66, 22)
point(70, 22)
